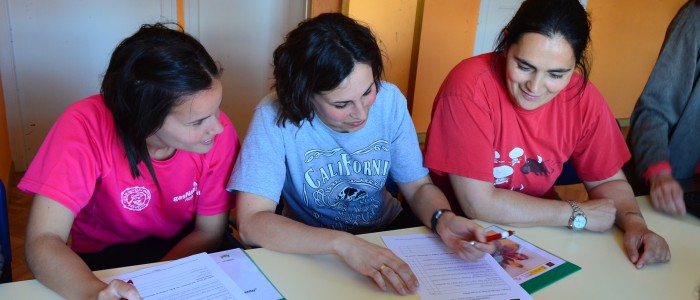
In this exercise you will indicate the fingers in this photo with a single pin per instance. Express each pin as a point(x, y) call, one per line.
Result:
point(401, 278)
point(649, 248)
point(654, 250)
point(632, 248)
point(118, 289)
point(667, 195)
point(472, 251)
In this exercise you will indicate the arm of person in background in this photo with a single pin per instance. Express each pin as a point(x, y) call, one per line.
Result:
point(660, 107)
point(642, 245)
point(55, 265)
point(425, 199)
point(206, 236)
point(258, 225)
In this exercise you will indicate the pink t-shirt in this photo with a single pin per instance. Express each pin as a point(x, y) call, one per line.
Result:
point(477, 132)
point(82, 165)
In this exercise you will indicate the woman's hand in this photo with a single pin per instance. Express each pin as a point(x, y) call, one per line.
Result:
point(457, 233)
point(377, 263)
point(666, 194)
point(643, 247)
point(117, 290)
point(600, 214)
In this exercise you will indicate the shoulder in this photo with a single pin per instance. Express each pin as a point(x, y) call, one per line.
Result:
point(688, 15)
point(474, 67)
point(90, 106)
point(90, 113)
point(269, 107)
point(390, 101)
point(390, 91)
point(471, 74)
point(589, 95)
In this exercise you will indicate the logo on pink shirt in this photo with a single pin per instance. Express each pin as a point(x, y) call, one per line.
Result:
point(136, 198)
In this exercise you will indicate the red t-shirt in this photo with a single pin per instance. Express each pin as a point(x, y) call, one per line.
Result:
point(478, 132)
point(82, 165)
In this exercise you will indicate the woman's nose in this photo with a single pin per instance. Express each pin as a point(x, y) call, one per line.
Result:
point(534, 84)
point(216, 127)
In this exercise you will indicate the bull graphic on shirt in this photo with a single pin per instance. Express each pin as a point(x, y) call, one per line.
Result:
point(504, 169)
point(535, 166)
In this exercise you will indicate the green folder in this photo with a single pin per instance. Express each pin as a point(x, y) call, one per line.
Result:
point(549, 277)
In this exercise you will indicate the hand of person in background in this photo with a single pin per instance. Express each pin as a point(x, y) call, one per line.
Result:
point(456, 232)
point(600, 214)
point(378, 263)
point(666, 194)
point(644, 246)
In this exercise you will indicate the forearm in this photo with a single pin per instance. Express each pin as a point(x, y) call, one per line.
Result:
point(426, 201)
point(627, 211)
point(57, 267)
point(279, 233)
point(195, 242)
point(517, 209)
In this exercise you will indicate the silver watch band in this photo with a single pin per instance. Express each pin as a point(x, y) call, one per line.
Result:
point(577, 211)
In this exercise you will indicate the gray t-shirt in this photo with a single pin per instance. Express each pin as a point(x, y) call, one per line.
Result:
point(327, 178)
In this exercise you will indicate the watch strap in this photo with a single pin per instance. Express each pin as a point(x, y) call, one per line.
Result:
point(434, 220)
point(577, 211)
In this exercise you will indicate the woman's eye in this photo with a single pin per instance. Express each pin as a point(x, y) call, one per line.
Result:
point(556, 75)
point(523, 68)
point(340, 105)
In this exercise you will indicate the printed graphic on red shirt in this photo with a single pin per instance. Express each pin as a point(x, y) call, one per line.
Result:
point(511, 172)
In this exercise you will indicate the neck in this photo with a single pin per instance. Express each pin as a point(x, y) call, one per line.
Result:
point(157, 150)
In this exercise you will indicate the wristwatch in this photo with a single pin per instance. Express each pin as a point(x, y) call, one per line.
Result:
point(578, 219)
point(435, 218)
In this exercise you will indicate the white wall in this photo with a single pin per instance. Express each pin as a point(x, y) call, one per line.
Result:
point(241, 35)
point(53, 53)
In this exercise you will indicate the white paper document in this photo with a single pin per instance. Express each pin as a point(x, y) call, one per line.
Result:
point(192, 277)
point(445, 276)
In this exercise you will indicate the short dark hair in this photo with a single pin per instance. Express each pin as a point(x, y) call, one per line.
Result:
point(567, 18)
point(316, 57)
point(149, 73)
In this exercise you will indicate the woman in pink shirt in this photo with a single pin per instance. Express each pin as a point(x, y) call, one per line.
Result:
point(134, 174)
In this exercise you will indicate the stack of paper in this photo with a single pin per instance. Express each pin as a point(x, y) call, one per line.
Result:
point(229, 274)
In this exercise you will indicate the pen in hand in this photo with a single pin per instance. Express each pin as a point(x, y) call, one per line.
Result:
point(494, 237)
point(499, 236)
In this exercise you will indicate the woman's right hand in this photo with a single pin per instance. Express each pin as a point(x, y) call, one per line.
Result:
point(117, 289)
point(377, 263)
point(600, 214)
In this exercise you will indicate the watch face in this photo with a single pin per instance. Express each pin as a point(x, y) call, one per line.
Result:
point(579, 222)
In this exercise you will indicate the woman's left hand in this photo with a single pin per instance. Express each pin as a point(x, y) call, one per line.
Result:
point(457, 233)
point(645, 247)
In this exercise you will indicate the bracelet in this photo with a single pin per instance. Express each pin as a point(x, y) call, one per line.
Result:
point(435, 218)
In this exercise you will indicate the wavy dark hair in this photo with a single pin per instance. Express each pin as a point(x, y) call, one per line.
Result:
point(149, 73)
point(550, 18)
point(316, 57)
